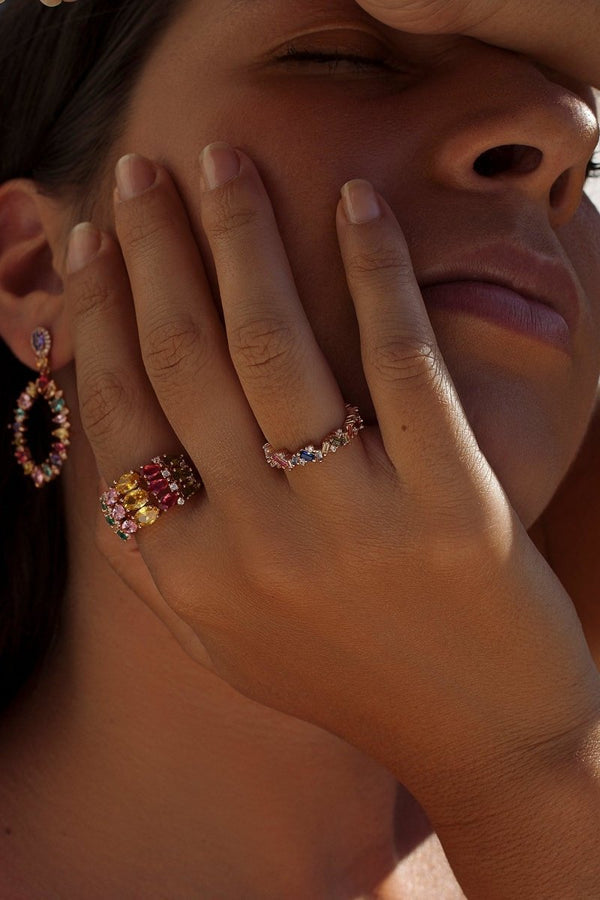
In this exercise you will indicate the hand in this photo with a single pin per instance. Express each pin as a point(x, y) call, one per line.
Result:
point(389, 594)
point(433, 16)
point(550, 31)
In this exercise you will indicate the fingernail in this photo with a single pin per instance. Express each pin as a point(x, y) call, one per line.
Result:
point(84, 243)
point(134, 174)
point(219, 163)
point(360, 202)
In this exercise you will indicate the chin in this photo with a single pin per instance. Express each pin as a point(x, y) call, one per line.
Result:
point(526, 457)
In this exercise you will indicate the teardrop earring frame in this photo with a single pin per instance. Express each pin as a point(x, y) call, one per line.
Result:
point(45, 388)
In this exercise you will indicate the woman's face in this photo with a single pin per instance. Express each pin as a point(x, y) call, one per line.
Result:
point(415, 131)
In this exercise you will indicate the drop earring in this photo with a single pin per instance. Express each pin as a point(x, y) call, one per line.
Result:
point(44, 387)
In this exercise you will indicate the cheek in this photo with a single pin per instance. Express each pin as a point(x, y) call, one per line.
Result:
point(581, 242)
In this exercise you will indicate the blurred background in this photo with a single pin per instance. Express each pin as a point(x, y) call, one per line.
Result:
point(593, 191)
point(593, 186)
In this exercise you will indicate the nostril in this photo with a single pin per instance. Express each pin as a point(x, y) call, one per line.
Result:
point(514, 158)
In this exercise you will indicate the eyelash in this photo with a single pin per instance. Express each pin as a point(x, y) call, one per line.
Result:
point(360, 62)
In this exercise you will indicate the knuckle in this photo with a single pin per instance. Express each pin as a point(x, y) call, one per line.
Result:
point(381, 261)
point(263, 347)
point(169, 348)
point(145, 234)
point(92, 297)
point(101, 402)
point(231, 220)
point(404, 358)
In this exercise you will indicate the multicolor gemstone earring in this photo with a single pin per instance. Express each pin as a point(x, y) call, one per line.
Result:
point(44, 387)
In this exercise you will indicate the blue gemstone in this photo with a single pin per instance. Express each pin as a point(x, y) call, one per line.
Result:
point(307, 456)
point(58, 405)
point(56, 459)
point(39, 340)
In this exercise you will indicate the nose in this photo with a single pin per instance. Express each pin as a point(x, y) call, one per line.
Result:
point(518, 132)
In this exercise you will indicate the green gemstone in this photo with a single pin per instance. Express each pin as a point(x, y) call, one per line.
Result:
point(110, 520)
point(103, 506)
point(124, 537)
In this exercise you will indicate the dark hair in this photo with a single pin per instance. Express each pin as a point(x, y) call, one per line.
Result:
point(67, 78)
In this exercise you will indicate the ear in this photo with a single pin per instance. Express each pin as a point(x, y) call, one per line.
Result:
point(31, 256)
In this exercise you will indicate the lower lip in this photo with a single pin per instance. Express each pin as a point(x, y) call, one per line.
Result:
point(504, 307)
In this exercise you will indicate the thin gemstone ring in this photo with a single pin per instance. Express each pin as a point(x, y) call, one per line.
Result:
point(284, 459)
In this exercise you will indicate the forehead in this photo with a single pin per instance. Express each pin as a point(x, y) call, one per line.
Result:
point(226, 10)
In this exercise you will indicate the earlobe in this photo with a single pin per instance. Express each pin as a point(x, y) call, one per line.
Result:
point(31, 290)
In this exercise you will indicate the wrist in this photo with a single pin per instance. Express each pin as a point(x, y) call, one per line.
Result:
point(527, 826)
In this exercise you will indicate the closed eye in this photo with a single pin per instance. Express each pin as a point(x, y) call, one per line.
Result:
point(334, 58)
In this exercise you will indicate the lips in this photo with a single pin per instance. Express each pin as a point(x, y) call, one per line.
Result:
point(502, 306)
point(540, 278)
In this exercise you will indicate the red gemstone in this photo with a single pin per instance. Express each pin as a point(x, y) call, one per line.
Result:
point(43, 381)
point(156, 485)
point(150, 471)
point(167, 501)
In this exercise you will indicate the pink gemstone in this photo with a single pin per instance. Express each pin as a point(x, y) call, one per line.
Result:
point(38, 476)
point(60, 418)
point(119, 513)
point(128, 526)
point(167, 501)
point(112, 496)
point(60, 448)
point(25, 401)
point(150, 471)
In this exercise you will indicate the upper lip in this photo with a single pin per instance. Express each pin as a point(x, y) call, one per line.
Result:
point(538, 277)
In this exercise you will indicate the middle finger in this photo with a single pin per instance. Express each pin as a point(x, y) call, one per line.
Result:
point(284, 374)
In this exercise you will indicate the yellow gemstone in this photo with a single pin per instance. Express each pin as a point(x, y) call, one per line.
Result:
point(147, 516)
point(28, 468)
point(31, 389)
point(135, 500)
point(61, 433)
point(127, 482)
